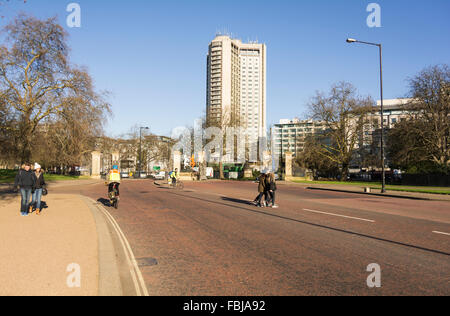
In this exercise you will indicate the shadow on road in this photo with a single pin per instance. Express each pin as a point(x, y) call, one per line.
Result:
point(237, 201)
point(105, 202)
point(317, 225)
point(7, 193)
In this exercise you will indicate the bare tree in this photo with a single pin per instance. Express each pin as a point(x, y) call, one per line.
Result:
point(343, 113)
point(72, 135)
point(314, 157)
point(37, 81)
point(7, 135)
point(430, 91)
point(421, 142)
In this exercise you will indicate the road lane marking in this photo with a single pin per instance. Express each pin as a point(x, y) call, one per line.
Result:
point(136, 275)
point(338, 215)
point(131, 256)
point(441, 233)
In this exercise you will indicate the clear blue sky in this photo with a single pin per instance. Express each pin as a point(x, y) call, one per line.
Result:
point(151, 55)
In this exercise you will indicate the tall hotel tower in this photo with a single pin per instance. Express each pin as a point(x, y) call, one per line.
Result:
point(236, 86)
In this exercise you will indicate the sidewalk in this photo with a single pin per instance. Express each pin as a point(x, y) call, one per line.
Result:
point(35, 251)
point(39, 255)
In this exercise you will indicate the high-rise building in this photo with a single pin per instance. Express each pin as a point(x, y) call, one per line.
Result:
point(236, 86)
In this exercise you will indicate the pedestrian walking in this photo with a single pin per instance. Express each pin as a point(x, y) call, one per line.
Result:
point(25, 182)
point(261, 190)
point(39, 186)
point(272, 186)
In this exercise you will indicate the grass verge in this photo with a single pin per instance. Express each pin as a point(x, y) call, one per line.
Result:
point(377, 186)
point(8, 176)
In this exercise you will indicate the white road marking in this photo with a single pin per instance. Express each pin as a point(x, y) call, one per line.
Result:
point(135, 272)
point(338, 215)
point(441, 233)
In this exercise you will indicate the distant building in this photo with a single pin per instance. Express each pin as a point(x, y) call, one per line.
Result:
point(156, 151)
point(236, 86)
point(291, 135)
point(394, 111)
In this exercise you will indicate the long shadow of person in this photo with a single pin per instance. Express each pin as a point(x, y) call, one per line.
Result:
point(237, 201)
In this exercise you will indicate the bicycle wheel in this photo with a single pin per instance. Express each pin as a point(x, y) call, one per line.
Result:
point(180, 186)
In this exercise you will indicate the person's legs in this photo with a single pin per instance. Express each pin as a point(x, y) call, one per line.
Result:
point(273, 199)
point(25, 203)
point(33, 198)
point(266, 198)
point(259, 198)
point(37, 197)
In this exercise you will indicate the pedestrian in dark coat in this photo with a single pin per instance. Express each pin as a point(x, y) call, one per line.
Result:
point(272, 188)
point(261, 189)
point(25, 182)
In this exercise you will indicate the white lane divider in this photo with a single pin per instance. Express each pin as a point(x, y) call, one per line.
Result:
point(441, 233)
point(338, 215)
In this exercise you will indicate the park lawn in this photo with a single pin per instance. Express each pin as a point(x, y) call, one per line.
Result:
point(374, 185)
point(8, 176)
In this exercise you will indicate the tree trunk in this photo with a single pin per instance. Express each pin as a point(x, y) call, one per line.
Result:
point(26, 140)
point(344, 173)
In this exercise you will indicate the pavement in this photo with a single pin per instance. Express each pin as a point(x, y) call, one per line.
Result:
point(72, 249)
point(209, 240)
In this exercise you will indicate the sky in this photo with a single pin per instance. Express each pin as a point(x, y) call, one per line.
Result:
point(151, 55)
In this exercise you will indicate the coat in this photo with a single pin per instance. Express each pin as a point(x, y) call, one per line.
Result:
point(39, 181)
point(272, 186)
point(24, 179)
point(262, 184)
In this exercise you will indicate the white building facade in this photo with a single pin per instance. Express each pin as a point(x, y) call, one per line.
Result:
point(236, 86)
point(291, 135)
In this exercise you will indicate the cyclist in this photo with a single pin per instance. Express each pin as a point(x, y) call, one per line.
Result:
point(174, 176)
point(113, 180)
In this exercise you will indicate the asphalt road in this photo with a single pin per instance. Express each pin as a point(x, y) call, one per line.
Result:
point(208, 240)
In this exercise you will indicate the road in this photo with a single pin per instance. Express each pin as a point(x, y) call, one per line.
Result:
point(209, 240)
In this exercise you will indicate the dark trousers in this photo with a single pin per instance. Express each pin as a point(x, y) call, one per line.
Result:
point(272, 197)
point(259, 197)
point(25, 203)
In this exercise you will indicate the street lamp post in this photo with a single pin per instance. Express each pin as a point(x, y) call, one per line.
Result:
point(351, 40)
point(140, 148)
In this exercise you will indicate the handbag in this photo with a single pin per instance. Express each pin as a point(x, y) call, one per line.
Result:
point(44, 192)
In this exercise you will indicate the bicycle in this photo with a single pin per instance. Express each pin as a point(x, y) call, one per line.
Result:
point(114, 198)
point(178, 185)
